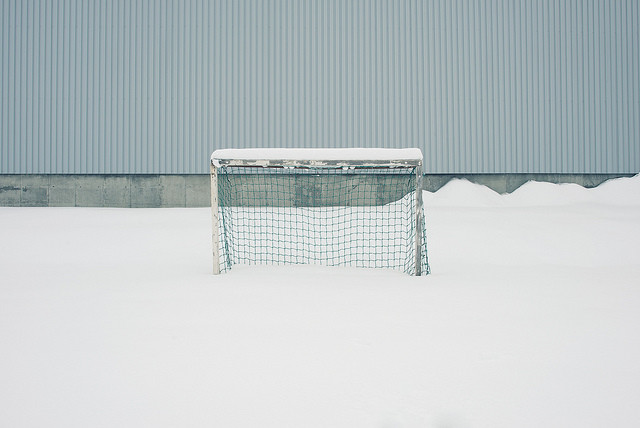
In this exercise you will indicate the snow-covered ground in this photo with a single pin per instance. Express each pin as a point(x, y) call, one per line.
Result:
point(531, 318)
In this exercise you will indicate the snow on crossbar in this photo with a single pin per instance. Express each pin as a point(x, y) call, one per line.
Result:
point(318, 157)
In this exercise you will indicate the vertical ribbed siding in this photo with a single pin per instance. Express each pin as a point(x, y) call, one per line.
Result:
point(118, 86)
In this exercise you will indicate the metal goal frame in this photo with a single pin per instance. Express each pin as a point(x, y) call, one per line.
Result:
point(294, 164)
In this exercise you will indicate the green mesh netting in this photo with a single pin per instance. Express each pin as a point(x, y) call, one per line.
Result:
point(362, 217)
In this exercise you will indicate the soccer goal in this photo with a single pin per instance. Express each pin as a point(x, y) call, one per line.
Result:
point(334, 207)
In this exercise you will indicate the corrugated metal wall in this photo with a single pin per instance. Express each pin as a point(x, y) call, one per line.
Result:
point(123, 86)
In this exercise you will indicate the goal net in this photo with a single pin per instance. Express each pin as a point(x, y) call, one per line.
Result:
point(344, 207)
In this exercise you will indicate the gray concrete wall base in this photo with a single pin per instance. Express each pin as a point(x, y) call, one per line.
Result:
point(166, 191)
point(119, 191)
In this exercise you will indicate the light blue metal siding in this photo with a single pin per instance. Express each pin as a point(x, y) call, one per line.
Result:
point(121, 86)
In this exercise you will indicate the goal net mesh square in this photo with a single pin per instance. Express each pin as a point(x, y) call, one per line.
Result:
point(361, 217)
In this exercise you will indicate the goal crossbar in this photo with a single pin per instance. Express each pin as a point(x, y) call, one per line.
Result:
point(301, 163)
point(318, 158)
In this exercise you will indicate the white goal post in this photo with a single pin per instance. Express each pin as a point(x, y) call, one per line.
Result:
point(345, 207)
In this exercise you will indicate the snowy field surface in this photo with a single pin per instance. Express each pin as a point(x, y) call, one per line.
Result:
point(531, 318)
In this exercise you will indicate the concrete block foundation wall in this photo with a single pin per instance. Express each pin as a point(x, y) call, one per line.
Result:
point(120, 191)
point(167, 191)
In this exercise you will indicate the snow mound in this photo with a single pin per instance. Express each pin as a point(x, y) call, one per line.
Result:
point(535, 193)
point(463, 193)
point(620, 191)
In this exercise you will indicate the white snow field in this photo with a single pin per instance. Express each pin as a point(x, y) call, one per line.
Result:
point(531, 318)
